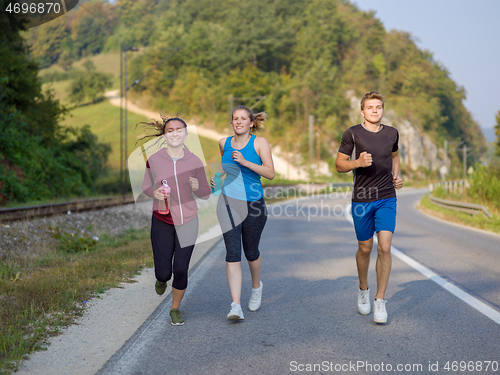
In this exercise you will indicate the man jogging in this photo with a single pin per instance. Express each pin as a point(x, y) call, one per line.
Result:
point(370, 150)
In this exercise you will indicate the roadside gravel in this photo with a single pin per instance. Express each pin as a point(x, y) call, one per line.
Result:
point(32, 237)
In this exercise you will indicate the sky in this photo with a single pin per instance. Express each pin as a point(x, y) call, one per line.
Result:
point(463, 35)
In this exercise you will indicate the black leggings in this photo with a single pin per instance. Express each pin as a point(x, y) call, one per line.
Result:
point(166, 247)
point(241, 221)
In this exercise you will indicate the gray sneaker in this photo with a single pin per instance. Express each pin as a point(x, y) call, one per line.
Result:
point(236, 312)
point(255, 299)
point(364, 305)
point(176, 318)
point(379, 311)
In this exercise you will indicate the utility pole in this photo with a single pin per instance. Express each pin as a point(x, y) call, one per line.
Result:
point(311, 143)
point(465, 161)
point(122, 179)
point(298, 165)
point(230, 106)
point(123, 93)
point(126, 114)
point(288, 156)
point(408, 153)
point(124, 128)
point(446, 153)
point(318, 150)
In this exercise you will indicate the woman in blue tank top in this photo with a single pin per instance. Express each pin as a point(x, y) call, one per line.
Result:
point(241, 208)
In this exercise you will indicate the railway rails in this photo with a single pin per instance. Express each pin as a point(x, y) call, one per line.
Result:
point(46, 210)
point(82, 205)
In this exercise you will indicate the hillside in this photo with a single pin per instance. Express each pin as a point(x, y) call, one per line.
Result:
point(311, 57)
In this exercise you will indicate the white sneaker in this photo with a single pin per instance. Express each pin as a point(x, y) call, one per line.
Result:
point(379, 311)
point(236, 312)
point(364, 305)
point(255, 299)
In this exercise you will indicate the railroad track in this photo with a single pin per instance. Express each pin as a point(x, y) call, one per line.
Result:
point(45, 210)
point(82, 205)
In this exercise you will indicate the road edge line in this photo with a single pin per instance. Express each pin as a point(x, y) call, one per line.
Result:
point(453, 289)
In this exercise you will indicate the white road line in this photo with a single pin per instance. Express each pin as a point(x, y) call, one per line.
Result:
point(453, 289)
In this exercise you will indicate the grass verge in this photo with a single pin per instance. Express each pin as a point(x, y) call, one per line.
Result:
point(479, 220)
point(104, 121)
point(43, 295)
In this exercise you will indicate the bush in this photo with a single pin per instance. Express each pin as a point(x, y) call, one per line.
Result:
point(54, 76)
point(90, 85)
point(30, 170)
point(485, 187)
point(71, 243)
point(110, 184)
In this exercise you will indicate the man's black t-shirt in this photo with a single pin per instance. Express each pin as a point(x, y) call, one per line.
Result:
point(374, 182)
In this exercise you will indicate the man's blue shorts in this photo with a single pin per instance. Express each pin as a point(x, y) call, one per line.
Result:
point(373, 217)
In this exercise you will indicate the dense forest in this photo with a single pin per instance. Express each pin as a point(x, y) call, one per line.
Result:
point(307, 57)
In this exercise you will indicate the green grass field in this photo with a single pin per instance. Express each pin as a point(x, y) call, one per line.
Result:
point(104, 121)
point(60, 90)
point(104, 62)
point(104, 118)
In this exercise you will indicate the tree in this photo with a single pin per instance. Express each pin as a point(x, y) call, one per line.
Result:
point(92, 25)
point(90, 85)
point(65, 61)
point(84, 147)
point(47, 40)
point(306, 56)
point(136, 23)
point(38, 158)
point(21, 89)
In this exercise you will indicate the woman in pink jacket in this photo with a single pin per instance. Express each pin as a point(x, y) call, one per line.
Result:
point(174, 226)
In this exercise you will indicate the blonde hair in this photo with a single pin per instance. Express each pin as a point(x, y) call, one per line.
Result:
point(258, 119)
point(372, 95)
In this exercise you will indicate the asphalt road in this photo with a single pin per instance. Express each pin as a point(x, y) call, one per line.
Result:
point(308, 321)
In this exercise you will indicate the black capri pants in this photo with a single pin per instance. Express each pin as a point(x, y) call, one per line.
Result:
point(169, 257)
point(241, 221)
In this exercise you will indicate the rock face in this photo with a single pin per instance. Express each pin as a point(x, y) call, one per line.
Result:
point(416, 149)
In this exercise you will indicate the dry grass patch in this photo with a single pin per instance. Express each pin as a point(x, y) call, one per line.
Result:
point(40, 297)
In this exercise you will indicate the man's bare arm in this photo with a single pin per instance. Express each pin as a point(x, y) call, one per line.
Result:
point(343, 164)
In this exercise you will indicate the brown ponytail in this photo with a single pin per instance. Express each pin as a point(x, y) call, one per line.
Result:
point(258, 119)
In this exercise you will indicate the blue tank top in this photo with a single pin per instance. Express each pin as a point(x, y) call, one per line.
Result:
point(241, 182)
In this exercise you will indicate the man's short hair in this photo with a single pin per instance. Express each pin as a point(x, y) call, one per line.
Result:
point(372, 95)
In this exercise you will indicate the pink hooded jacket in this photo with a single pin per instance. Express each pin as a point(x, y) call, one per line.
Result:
point(160, 166)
